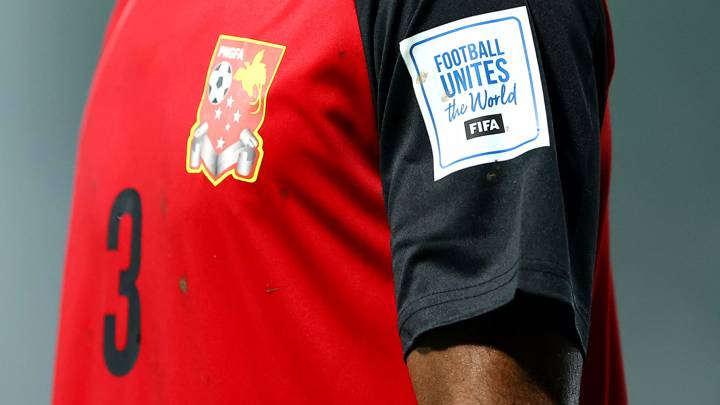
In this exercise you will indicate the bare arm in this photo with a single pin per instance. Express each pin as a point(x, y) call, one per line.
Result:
point(517, 354)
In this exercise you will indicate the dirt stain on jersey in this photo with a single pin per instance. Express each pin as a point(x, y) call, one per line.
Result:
point(284, 192)
point(163, 205)
point(183, 284)
point(422, 77)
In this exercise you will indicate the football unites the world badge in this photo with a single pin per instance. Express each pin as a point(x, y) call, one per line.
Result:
point(225, 139)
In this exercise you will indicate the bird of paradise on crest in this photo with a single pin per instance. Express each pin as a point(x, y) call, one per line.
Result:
point(253, 77)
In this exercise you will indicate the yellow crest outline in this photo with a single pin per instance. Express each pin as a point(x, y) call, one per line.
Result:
point(194, 127)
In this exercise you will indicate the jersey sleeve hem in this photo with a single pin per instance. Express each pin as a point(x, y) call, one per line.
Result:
point(443, 308)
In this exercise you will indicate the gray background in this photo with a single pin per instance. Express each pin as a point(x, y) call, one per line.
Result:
point(665, 232)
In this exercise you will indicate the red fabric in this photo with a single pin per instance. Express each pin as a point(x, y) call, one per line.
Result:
point(603, 380)
point(250, 293)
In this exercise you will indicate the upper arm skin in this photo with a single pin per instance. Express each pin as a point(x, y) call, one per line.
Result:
point(518, 354)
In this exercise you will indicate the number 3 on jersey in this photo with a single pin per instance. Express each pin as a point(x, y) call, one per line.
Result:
point(120, 362)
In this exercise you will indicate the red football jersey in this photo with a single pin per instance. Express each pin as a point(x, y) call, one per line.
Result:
point(253, 217)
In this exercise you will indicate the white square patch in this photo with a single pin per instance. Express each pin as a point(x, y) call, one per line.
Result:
point(478, 84)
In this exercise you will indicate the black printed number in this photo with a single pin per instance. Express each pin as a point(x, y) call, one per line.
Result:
point(120, 362)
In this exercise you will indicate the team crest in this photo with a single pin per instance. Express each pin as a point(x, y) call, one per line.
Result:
point(224, 141)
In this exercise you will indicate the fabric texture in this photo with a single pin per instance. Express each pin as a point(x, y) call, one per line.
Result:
point(189, 284)
point(465, 244)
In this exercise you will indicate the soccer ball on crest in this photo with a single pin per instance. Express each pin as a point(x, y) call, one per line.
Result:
point(219, 82)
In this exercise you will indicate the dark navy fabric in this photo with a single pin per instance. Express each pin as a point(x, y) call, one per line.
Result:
point(464, 245)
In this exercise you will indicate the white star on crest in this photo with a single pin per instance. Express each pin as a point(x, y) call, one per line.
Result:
point(230, 101)
point(220, 143)
point(236, 116)
point(218, 113)
point(227, 127)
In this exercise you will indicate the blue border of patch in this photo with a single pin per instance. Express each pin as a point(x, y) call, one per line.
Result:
point(532, 89)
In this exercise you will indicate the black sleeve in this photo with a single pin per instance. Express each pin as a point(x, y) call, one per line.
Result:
point(465, 244)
